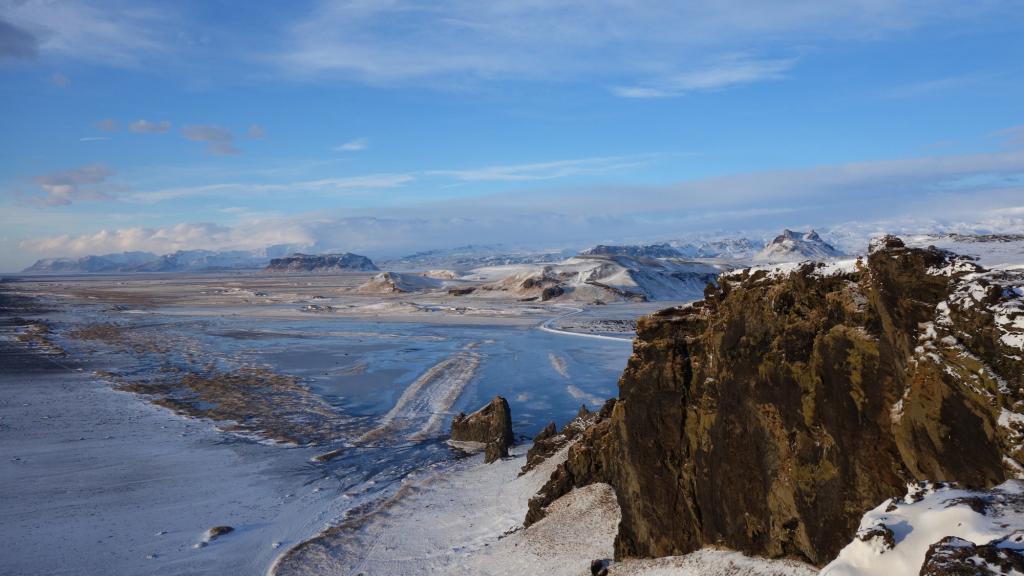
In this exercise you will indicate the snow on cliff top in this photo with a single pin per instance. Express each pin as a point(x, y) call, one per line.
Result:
point(895, 537)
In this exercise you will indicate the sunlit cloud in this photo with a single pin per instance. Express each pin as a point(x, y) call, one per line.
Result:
point(219, 141)
point(147, 127)
point(353, 145)
point(90, 182)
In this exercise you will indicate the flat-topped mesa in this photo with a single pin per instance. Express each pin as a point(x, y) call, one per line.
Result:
point(490, 425)
point(770, 416)
point(299, 262)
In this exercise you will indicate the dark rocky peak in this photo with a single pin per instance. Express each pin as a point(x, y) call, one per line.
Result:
point(299, 262)
point(635, 250)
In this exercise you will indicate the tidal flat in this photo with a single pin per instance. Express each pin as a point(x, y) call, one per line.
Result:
point(141, 411)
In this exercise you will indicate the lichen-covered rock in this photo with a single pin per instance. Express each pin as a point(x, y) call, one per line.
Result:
point(769, 416)
point(490, 425)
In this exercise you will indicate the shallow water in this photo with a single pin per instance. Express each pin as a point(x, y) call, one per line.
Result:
point(394, 384)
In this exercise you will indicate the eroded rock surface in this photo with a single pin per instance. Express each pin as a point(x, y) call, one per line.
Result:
point(769, 416)
point(490, 425)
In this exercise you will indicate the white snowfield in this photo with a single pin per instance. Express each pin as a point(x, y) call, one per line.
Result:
point(925, 516)
point(469, 521)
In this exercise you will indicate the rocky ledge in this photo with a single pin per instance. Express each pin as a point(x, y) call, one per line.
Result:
point(769, 416)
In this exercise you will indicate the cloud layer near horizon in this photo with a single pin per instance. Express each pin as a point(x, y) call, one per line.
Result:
point(954, 192)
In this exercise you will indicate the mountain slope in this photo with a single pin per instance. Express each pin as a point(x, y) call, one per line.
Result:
point(606, 278)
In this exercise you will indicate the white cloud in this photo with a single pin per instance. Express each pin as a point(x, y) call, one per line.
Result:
point(93, 138)
point(184, 236)
point(979, 192)
point(67, 186)
point(146, 127)
point(353, 145)
point(219, 141)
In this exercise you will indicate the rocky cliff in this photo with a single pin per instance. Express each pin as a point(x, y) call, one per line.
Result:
point(771, 415)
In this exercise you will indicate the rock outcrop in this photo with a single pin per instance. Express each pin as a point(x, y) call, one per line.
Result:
point(490, 425)
point(769, 416)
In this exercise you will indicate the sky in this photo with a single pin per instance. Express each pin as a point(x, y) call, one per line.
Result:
point(386, 127)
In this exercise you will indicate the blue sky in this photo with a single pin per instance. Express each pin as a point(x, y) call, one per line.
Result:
point(386, 127)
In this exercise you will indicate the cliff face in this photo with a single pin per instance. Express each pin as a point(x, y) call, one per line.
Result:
point(770, 416)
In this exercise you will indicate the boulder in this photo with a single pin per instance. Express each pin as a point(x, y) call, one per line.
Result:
point(490, 425)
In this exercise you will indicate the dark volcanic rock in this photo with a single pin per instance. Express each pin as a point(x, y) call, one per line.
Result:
point(768, 417)
point(954, 556)
point(550, 440)
point(490, 425)
point(321, 263)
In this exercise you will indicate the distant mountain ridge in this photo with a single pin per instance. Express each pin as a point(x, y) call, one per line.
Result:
point(635, 250)
point(473, 256)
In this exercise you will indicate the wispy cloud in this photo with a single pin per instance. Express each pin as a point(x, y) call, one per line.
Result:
point(648, 47)
point(93, 138)
point(60, 80)
point(1012, 137)
point(725, 73)
point(325, 186)
point(146, 127)
point(83, 183)
point(219, 141)
point(353, 145)
point(543, 170)
point(107, 33)
point(256, 132)
point(107, 125)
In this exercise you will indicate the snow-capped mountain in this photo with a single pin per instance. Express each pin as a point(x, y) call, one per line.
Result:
point(180, 261)
point(728, 248)
point(90, 264)
point(793, 246)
